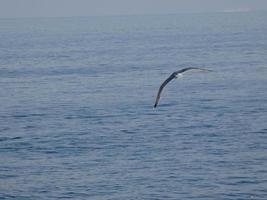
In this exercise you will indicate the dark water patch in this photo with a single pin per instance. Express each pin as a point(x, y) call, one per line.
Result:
point(30, 115)
point(93, 116)
point(3, 139)
point(7, 176)
point(7, 196)
point(20, 116)
point(29, 127)
point(127, 131)
point(15, 145)
point(4, 129)
point(263, 131)
point(16, 138)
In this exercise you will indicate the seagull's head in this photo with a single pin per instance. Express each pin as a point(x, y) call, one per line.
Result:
point(179, 75)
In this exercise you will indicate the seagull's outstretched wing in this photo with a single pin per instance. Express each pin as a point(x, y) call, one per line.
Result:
point(191, 68)
point(172, 76)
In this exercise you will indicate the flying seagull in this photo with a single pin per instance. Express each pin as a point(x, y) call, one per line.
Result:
point(176, 74)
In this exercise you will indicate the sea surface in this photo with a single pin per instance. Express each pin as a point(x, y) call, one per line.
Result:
point(77, 118)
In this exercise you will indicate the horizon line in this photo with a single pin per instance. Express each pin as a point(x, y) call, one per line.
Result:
point(134, 14)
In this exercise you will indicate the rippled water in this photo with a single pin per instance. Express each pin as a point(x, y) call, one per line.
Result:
point(76, 117)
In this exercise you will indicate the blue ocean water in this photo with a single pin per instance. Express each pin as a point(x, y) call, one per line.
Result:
point(76, 117)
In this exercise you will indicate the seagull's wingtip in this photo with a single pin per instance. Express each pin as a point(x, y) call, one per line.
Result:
point(208, 70)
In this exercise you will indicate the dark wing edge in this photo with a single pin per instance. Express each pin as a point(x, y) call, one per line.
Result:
point(172, 76)
point(191, 68)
